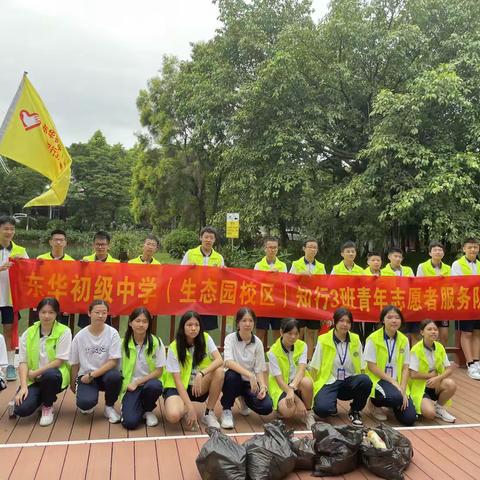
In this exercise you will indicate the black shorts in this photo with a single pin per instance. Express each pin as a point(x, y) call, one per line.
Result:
point(431, 394)
point(468, 325)
point(310, 324)
point(170, 392)
point(7, 315)
point(264, 322)
point(209, 322)
point(442, 324)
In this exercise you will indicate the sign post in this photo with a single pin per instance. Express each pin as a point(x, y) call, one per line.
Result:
point(233, 225)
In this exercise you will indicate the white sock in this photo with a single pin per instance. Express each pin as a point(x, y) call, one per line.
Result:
point(11, 356)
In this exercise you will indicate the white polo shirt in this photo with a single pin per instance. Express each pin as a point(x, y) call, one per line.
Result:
point(249, 355)
point(5, 297)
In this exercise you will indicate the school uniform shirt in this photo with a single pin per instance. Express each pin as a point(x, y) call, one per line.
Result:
point(457, 269)
point(3, 352)
point(92, 352)
point(370, 355)
point(316, 361)
point(421, 273)
point(249, 355)
point(141, 366)
point(62, 349)
point(173, 365)
point(429, 353)
point(275, 368)
point(5, 297)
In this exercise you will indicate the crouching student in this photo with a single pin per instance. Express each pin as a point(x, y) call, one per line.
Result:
point(94, 359)
point(245, 360)
point(388, 355)
point(44, 371)
point(143, 359)
point(430, 385)
point(290, 386)
point(337, 367)
point(193, 373)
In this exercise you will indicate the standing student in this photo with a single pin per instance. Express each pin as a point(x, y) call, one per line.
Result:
point(337, 369)
point(194, 373)
point(309, 265)
point(395, 268)
point(205, 255)
point(150, 248)
point(101, 246)
point(347, 266)
point(245, 376)
point(430, 384)
point(8, 250)
point(94, 360)
point(289, 384)
point(44, 371)
point(387, 354)
point(374, 264)
point(468, 264)
point(434, 268)
point(269, 263)
point(58, 243)
point(143, 359)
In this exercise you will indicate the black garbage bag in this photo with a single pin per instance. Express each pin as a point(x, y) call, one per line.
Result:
point(221, 458)
point(337, 449)
point(391, 462)
point(305, 451)
point(269, 456)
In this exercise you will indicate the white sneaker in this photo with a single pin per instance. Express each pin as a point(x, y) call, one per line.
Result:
point(441, 412)
point(309, 420)
point(377, 412)
point(111, 414)
point(150, 419)
point(47, 416)
point(473, 372)
point(86, 412)
point(244, 410)
point(210, 420)
point(226, 420)
point(477, 365)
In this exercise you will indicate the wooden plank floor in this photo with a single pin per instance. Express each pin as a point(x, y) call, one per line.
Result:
point(70, 424)
point(440, 454)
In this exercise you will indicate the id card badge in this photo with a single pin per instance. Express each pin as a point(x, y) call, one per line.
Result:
point(389, 370)
point(340, 374)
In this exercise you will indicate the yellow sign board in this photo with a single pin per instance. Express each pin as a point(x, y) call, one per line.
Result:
point(233, 225)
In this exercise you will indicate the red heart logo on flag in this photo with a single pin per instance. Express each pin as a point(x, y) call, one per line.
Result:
point(30, 120)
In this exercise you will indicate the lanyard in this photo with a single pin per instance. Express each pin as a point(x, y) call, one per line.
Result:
point(390, 352)
point(342, 360)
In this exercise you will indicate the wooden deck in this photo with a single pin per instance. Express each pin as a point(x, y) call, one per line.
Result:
point(73, 450)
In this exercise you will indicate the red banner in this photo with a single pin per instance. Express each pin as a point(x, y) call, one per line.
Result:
point(173, 289)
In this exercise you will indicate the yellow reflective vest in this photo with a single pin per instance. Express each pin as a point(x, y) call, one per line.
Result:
point(429, 270)
point(140, 261)
point(389, 272)
point(466, 270)
point(263, 265)
point(301, 267)
point(341, 269)
point(48, 256)
point(195, 257)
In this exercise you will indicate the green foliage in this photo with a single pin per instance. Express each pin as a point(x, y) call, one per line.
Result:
point(127, 244)
point(178, 241)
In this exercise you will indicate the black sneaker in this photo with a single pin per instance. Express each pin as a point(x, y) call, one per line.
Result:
point(355, 418)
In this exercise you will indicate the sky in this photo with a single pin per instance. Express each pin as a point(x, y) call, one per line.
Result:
point(89, 59)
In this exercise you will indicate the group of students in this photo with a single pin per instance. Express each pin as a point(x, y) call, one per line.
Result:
point(136, 371)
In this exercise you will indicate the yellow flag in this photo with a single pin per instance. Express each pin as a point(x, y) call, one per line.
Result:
point(28, 136)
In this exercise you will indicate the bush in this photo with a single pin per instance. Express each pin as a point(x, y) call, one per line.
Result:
point(177, 242)
point(239, 257)
point(127, 244)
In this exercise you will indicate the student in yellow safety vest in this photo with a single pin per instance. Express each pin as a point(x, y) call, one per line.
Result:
point(309, 265)
point(204, 255)
point(430, 384)
point(193, 373)
point(269, 263)
point(150, 247)
point(101, 246)
point(8, 250)
point(435, 267)
point(289, 384)
point(387, 354)
point(468, 264)
point(337, 369)
point(44, 370)
point(58, 243)
point(143, 360)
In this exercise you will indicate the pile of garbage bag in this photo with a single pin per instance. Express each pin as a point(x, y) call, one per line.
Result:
point(333, 450)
